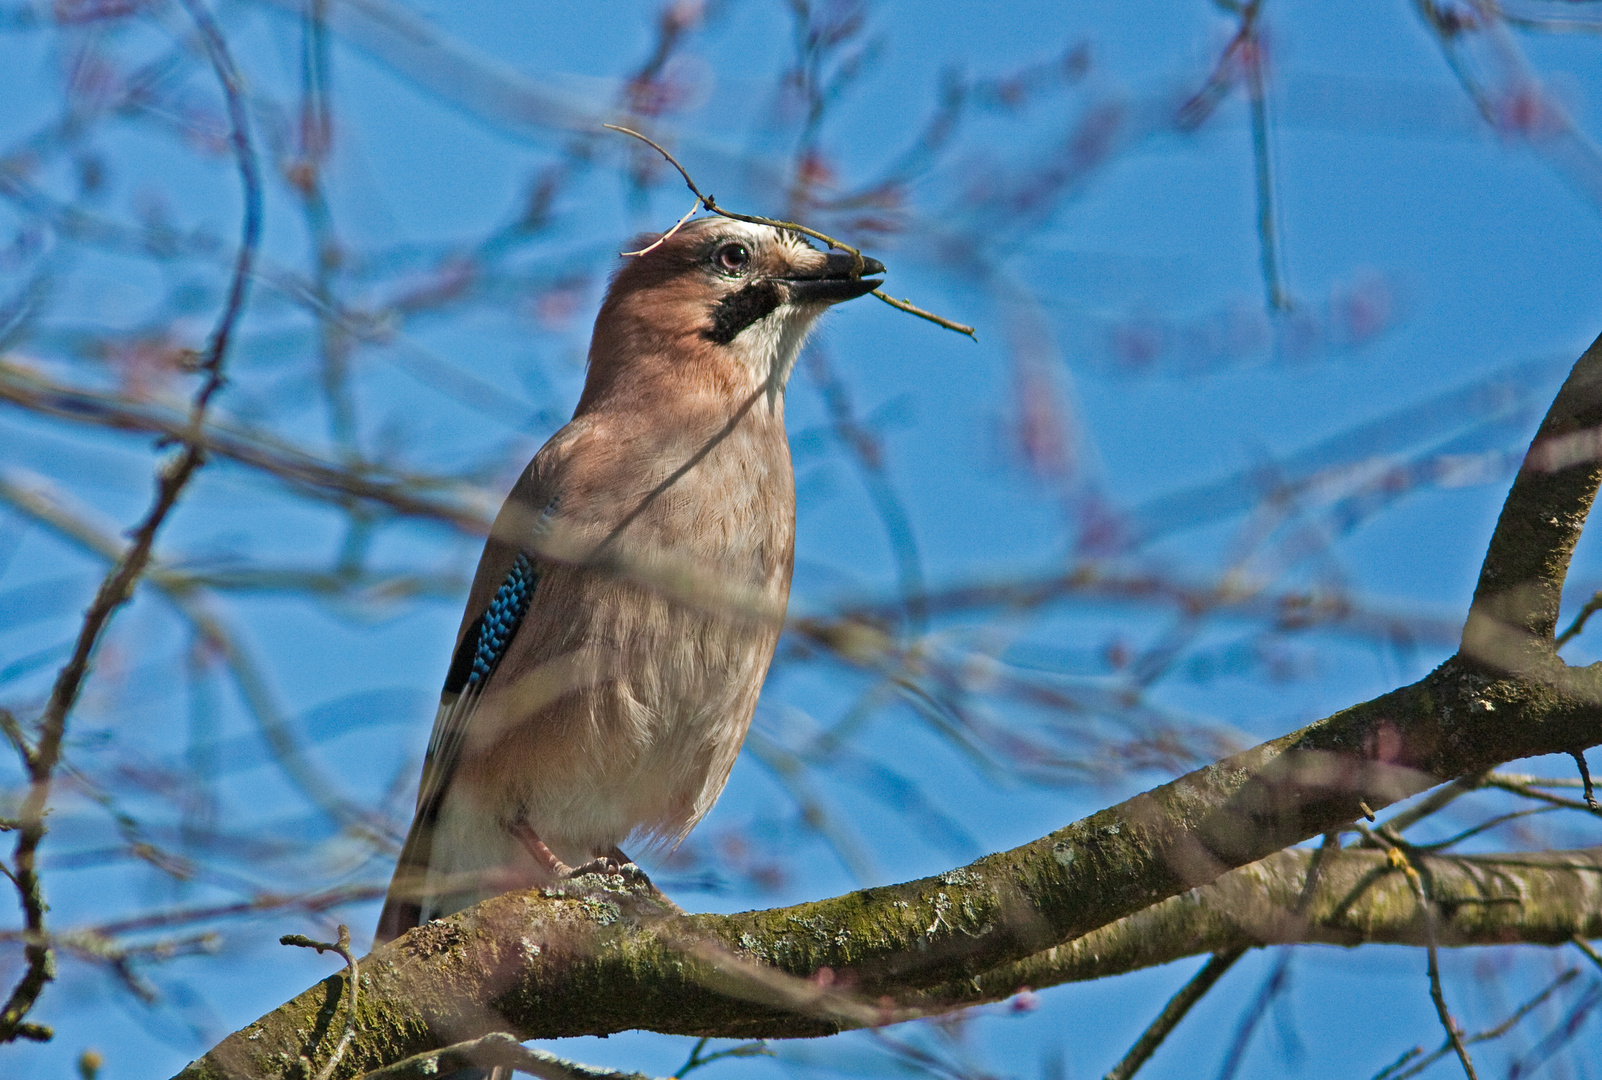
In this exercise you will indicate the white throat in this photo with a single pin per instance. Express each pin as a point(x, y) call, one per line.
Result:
point(770, 346)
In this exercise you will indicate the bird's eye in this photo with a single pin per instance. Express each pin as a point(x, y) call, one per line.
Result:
point(731, 258)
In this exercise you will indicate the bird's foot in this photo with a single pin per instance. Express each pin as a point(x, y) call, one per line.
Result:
point(610, 866)
point(614, 876)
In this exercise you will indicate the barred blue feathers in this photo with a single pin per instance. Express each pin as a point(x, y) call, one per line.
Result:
point(501, 620)
point(487, 638)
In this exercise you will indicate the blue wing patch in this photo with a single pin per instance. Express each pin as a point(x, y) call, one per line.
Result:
point(487, 638)
point(502, 619)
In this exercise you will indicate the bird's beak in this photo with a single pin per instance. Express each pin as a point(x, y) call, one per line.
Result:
point(836, 280)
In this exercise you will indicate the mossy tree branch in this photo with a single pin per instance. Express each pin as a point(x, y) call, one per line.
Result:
point(547, 966)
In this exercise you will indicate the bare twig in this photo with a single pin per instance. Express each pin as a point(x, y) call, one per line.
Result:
point(1400, 859)
point(1391, 1072)
point(698, 1060)
point(190, 602)
point(1251, 55)
point(1180, 1004)
point(866, 450)
point(659, 241)
point(710, 204)
point(1432, 803)
point(342, 947)
point(118, 585)
point(1521, 786)
point(912, 309)
point(1591, 607)
point(402, 493)
point(1589, 950)
point(1585, 779)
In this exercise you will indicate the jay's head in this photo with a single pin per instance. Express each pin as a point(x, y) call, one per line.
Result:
point(720, 299)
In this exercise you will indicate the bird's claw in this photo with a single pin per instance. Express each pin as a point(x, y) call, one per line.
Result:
point(617, 881)
point(607, 866)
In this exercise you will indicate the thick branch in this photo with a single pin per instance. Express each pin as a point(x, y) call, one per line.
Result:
point(1360, 898)
point(1521, 579)
point(549, 967)
point(555, 966)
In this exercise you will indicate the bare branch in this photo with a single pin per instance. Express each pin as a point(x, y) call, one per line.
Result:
point(710, 203)
point(353, 993)
point(118, 585)
point(1176, 1009)
point(1402, 860)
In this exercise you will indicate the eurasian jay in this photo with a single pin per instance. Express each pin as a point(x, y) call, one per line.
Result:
point(633, 586)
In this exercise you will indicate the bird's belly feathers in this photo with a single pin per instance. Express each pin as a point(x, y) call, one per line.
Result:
point(621, 707)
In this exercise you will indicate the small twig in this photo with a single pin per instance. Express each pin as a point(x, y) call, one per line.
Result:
point(1391, 1072)
point(1180, 1004)
point(659, 241)
point(1203, 980)
point(1588, 949)
point(697, 1061)
point(1531, 781)
point(1401, 1062)
point(1433, 803)
point(910, 308)
point(1518, 786)
point(1274, 985)
point(864, 447)
point(1399, 859)
point(19, 741)
point(711, 205)
point(342, 947)
point(1585, 778)
point(1592, 606)
point(1484, 826)
point(1251, 55)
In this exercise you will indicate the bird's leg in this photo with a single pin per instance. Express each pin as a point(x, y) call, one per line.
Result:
point(542, 854)
point(643, 895)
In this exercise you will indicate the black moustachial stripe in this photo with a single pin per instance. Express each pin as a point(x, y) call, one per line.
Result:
point(488, 636)
point(740, 309)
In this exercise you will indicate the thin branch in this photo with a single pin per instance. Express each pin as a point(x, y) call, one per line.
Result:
point(1520, 786)
point(1403, 861)
point(912, 309)
point(1484, 826)
point(866, 450)
point(697, 1060)
point(1278, 978)
point(1391, 1073)
point(1251, 55)
point(710, 204)
point(352, 1001)
point(1585, 780)
point(1433, 803)
point(659, 241)
point(1180, 1004)
point(118, 585)
point(1591, 607)
point(186, 597)
point(1589, 950)
point(402, 493)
